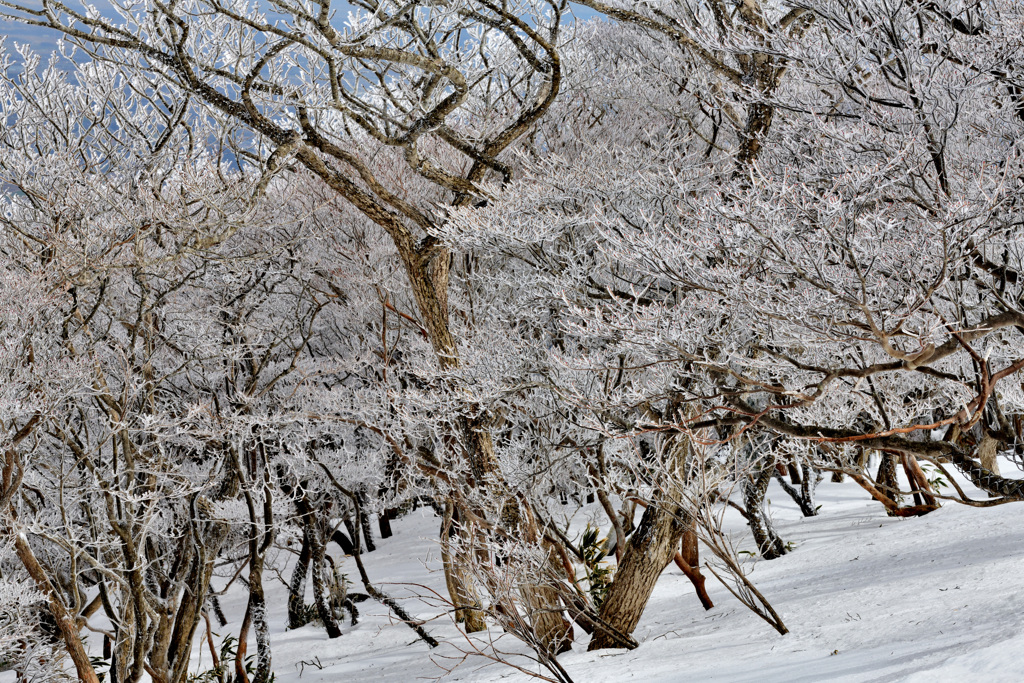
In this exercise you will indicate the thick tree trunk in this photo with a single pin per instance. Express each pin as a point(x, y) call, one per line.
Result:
point(460, 584)
point(354, 531)
point(988, 450)
point(987, 454)
point(759, 120)
point(754, 491)
point(651, 547)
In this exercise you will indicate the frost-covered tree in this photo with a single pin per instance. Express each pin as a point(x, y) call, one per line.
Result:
point(278, 271)
point(401, 109)
point(850, 287)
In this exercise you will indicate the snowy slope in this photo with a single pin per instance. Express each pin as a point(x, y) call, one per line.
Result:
point(866, 598)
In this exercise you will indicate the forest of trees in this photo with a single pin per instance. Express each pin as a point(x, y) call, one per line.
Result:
point(278, 272)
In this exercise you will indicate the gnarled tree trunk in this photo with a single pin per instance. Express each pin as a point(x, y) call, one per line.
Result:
point(649, 550)
point(754, 491)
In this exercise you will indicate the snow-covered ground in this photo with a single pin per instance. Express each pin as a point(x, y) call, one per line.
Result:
point(866, 598)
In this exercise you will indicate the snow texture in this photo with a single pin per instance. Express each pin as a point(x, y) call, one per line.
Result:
point(866, 598)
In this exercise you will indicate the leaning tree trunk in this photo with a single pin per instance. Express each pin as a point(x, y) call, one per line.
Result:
point(552, 629)
point(755, 490)
point(688, 561)
point(649, 550)
point(65, 620)
point(257, 612)
point(262, 531)
point(918, 482)
point(804, 497)
point(554, 632)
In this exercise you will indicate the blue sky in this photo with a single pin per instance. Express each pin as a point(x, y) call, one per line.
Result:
point(44, 41)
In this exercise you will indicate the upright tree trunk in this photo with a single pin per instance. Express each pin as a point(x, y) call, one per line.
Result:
point(162, 632)
point(988, 452)
point(210, 538)
point(987, 455)
point(754, 491)
point(262, 531)
point(808, 484)
point(367, 530)
point(297, 586)
point(257, 609)
point(888, 482)
point(321, 595)
point(384, 522)
point(460, 584)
